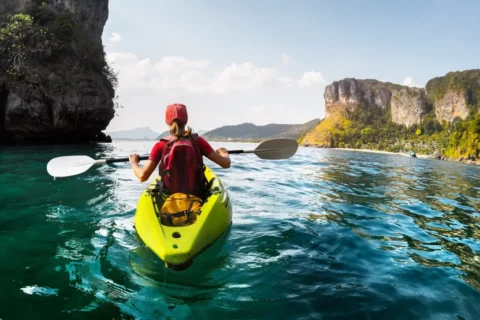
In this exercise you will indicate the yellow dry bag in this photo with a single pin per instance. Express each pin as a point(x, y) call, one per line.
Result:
point(180, 209)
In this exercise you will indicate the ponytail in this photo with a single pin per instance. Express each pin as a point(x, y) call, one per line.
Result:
point(188, 132)
point(177, 131)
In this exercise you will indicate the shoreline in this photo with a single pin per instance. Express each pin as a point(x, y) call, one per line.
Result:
point(423, 156)
point(419, 156)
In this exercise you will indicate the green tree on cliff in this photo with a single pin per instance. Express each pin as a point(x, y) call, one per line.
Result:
point(31, 40)
point(19, 39)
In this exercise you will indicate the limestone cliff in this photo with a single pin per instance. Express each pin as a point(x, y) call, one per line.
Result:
point(61, 90)
point(407, 103)
point(451, 107)
point(353, 93)
point(455, 95)
point(408, 106)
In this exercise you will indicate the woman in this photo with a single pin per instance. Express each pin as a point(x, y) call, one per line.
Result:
point(176, 117)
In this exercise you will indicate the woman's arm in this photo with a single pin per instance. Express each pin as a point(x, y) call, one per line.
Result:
point(142, 173)
point(220, 157)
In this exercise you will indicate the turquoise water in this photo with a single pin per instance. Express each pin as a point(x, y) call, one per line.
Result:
point(326, 234)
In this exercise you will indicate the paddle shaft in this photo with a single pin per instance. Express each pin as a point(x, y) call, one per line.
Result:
point(252, 151)
point(115, 160)
point(235, 151)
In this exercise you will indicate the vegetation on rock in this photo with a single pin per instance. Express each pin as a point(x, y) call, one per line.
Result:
point(36, 44)
point(466, 82)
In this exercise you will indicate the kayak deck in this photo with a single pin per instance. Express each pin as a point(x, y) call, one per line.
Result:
point(178, 245)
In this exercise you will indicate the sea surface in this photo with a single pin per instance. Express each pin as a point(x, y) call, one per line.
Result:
point(327, 234)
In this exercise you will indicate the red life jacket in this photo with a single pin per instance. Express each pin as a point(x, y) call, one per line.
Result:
point(181, 167)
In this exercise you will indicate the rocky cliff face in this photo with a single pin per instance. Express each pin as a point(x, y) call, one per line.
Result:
point(408, 106)
point(60, 98)
point(352, 93)
point(407, 103)
point(32, 115)
point(452, 97)
point(454, 94)
point(451, 107)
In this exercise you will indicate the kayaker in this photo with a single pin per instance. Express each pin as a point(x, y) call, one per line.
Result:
point(176, 117)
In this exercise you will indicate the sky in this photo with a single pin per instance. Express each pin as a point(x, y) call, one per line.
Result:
point(265, 62)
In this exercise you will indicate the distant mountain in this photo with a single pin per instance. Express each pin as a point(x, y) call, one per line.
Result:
point(139, 133)
point(163, 135)
point(167, 133)
point(250, 131)
point(202, 132)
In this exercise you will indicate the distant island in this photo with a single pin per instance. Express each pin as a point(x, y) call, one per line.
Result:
point(167, 133)
point(144, 133)
point(441, 121)
point(245, 132)
point(249, 132)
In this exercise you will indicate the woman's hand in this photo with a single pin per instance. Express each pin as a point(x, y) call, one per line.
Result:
point(223, 152)
point(134, 158)
point(142, 173)
point(220, 157)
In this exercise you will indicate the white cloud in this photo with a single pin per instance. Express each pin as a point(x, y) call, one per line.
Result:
point(286, 82)
point(311, 78)
point(246, 77)
point(409, 82)
point(113, 39)
point(175, 74)
point(257, 108)
point(194, 82)
point(173, 64)
point(286, 59)
point(133, 72)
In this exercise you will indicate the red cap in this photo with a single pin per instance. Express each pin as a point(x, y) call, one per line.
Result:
point(176, 111)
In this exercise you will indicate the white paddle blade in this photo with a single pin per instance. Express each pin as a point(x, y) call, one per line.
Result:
point(276, 149)
point(69, 165)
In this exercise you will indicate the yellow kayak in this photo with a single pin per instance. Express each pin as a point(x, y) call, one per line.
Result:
point(177, 246)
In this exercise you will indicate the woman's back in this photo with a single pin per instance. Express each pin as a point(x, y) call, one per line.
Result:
point(180, 157)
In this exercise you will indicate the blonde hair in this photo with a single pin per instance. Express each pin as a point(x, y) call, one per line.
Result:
point(177, 130)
